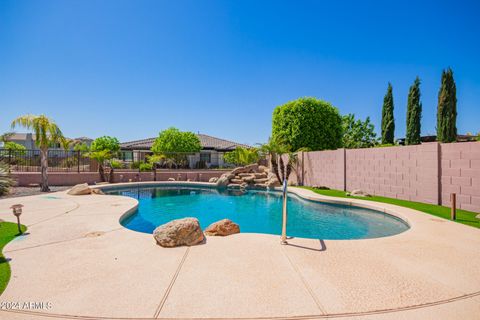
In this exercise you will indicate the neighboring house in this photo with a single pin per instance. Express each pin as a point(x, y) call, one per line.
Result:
point(433, 138)
point(28, 141)
point(211, 154)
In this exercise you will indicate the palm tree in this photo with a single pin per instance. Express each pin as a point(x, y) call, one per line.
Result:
point(46, 133)
point(275, 149)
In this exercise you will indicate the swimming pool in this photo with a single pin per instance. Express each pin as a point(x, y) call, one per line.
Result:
point(255, 212)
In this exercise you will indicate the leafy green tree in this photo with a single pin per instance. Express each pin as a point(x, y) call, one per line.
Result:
point(358, 133)
point(15, 147)
point(388, 121)
point(103, 150)
point(46, 133)
point(173, 145)
point(242, 156)
point(174, 140)
point(307, 123)
point(414, 114)
point(447, 108)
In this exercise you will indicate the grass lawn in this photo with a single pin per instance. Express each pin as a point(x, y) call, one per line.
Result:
point(463, 216)
point(8, 231)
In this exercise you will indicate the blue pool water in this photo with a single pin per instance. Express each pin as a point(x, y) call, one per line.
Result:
point(257, 212)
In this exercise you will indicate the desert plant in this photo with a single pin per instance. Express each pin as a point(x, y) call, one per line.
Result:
point(103, 150)
point(358, 133)
point(46, 133)
point(6, 180)
point(414, 114)
point(447, 108)
point(307, 123)
point(388, 120)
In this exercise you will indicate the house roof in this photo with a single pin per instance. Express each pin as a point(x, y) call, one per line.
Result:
point(207, 142)
point(23, 136)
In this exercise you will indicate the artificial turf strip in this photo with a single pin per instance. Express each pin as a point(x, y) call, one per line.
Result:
point(463, 216)
point(8, 231)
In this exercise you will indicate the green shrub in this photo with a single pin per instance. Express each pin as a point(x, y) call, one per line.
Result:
point(135, 164)
point(242, 156)
point(116, 164)
point(145, 166)
point(307, 123)
point(6, 180)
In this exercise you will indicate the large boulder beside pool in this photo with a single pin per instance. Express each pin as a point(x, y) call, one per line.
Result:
point(222, 228)
point(181, 232)
point(80, 190)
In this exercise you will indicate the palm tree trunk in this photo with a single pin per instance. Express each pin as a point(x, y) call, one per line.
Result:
point(273, 161)
point(282, 168)
point(101, 171)
point(44, 167)
point(111, 176)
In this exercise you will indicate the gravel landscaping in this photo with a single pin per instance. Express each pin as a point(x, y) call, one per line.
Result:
point(30, 191)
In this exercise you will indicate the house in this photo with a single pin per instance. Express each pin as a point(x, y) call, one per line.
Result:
point(211, 154)
point(28, 141)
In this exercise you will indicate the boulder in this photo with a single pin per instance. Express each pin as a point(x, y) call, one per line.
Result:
point(262, 180)
point(222, 228)
point(260, 185)
point(181, 232)
point(213, 180)
point(80, 190)
point(233, 186)
point(248, 179)
point(273, 182)
point(246, 169)
point(241, 175)
point(262, 169)
point(224, 179)
point(358, 193)
point(237, 181)
point(171, 179)
point(262, 175)
point(97, 191)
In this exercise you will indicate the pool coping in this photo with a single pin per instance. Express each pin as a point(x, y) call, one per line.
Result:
point(300, 192)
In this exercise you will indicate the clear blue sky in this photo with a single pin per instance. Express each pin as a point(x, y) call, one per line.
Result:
point(131, 68)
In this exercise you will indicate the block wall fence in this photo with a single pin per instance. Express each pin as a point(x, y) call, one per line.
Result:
point(73, 178)
point(428, 173)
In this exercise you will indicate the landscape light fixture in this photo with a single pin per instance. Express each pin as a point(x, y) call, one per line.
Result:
point(17, 211)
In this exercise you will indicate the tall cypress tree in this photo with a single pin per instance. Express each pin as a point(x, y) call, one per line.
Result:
point(414, 114)
point(388, 122)
point(447, 108)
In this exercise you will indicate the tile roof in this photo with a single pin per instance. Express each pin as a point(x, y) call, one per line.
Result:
point(207, 142)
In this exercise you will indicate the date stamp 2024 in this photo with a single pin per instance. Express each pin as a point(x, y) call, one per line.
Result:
point(25, 305)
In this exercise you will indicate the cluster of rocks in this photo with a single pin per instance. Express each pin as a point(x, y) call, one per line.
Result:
point(187, 232)
point(358, 193)
point(251, 176)
point(83, 189)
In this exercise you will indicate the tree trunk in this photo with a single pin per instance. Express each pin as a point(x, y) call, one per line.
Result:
point(101, 171)
point(273, 161)
point(282, 168)
point(44, 167)
point(111, 176)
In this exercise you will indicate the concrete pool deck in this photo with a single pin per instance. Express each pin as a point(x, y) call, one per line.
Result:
point(82, 264)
